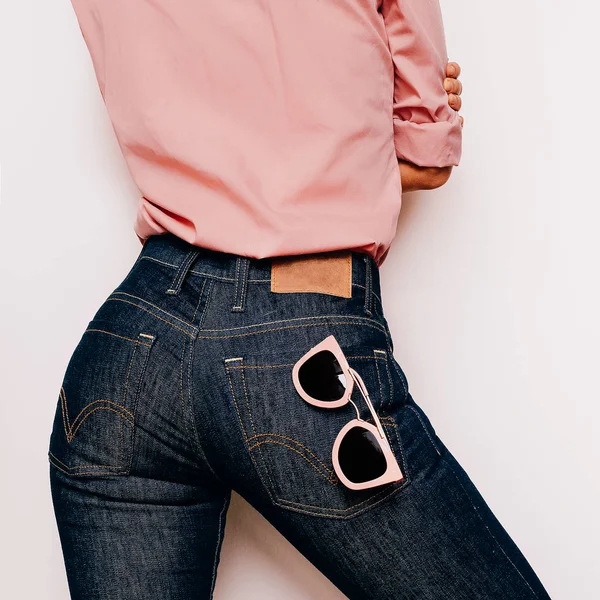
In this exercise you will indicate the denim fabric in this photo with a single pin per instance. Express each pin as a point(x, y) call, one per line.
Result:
point(180, 390)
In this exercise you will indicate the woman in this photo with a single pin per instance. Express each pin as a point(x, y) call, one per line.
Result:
point(247, 348)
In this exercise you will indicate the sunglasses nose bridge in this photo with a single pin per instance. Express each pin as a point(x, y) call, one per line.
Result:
point(355, 408)
point(363, 390)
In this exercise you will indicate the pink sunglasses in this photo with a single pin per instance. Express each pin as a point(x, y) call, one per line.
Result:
point(362, 457)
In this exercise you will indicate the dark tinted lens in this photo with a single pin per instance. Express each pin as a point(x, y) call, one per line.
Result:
point(361, 457)
point(321, 376)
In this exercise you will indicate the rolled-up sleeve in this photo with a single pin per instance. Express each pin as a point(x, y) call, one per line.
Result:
point(427, 131)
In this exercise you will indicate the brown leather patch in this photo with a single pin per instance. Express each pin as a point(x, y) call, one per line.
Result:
point(324, 272)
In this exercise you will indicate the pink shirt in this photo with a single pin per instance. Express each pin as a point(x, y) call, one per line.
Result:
point(273, 127)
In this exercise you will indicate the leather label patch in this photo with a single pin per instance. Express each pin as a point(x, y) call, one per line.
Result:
point(323, 272)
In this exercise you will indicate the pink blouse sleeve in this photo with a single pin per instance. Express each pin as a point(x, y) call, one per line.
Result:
point(427, 131)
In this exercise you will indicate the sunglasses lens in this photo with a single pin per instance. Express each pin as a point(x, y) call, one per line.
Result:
point(360, 456)
point(321, 377)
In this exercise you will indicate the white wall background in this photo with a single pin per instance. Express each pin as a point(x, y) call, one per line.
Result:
point(491, 287)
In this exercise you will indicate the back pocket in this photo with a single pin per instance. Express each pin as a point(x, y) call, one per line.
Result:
point(95, 413)
point(290, 441)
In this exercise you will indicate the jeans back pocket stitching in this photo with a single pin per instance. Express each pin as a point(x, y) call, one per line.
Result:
point(266, 466)
point(331, 477)
point(241, 422)
point(358, 503)
point(257, 444)
point(72, 431)
point(270, 491)
point(233, 394)
point(137, 393)
point(80, 466)
point(323, 511)
point(390, 398)
point(402, 457)
point(53, 463)
point(122, 469)
point(376, 358)
point(125, 398)
point(416, 412)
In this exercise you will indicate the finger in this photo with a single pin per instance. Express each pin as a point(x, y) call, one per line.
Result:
point(453, 69)
point(462, 121)
point(454, 101)
point(453, 86)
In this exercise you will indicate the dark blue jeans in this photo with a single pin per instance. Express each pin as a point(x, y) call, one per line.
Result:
point(180, 390)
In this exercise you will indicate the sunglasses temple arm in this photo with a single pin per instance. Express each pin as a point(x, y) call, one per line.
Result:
point(363, 391)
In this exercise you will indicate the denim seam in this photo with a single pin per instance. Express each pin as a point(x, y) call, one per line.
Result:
point(206, 303)
point(136, 395)
point(217, 548)
point(402, 455)
point(279, 365)
point(350, 319)
point(258, 444)
point(158, 308)
point(449, 463)
point(414, 410)
point(192, 271)
point(393, 420)
point(200, 295)
point(390, 398)
point(396, 368)
point(72, 432)
point(194, 330)
point(327, 469)
point(213, 276)
point(374, 293)
point(266, 466)
point(125, 397)
point(323, 513)
point(191, 415)
point(381, 396)
point(154, 314)
point(285, 437)
point(117, 335)
point(52, 457)
point(83, 472)
point(381, 409)
point(162, 262)
point(286, 327)
point(184, 408)
point(237, 410)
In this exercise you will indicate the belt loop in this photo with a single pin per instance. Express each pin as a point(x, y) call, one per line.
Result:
point(242, 267)
point(368, 286)
point(182, 271)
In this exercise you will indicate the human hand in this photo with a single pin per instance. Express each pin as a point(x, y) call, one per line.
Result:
point(453, 87)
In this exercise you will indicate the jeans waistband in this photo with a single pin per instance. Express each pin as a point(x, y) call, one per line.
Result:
point(192, 260)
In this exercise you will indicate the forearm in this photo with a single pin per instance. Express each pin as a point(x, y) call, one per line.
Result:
point(416, 178)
